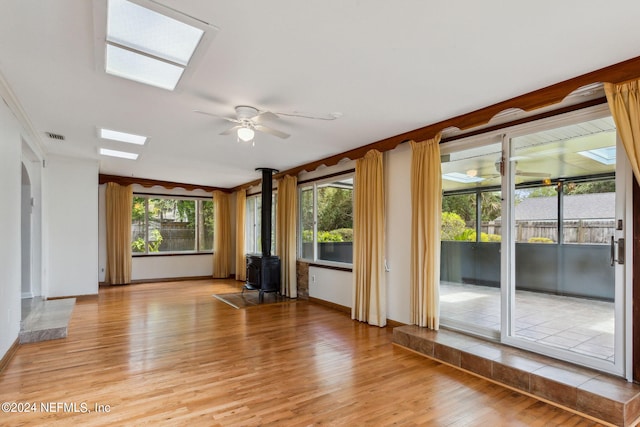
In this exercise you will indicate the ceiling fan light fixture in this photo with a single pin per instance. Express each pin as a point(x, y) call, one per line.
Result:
point(245, 134)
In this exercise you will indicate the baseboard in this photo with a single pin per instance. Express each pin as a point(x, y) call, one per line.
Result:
point(169, 279)
point(26, 295)
point(345, 309)
point(78, 298)
point(394, 323)
point(4, 362)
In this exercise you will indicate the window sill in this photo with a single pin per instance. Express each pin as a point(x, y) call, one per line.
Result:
point(160, 254)
point(329, 265)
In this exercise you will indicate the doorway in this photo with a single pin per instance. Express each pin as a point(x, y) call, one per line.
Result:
point(534, 225)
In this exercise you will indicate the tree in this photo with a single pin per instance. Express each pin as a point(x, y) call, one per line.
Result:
point(335, 208)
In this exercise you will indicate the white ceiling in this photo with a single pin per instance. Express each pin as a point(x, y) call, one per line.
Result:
point(388, 67)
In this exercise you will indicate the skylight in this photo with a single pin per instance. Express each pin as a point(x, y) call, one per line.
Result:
point(122, 136)
point(461, 177)
point(606, 155)
point(120, 154)
point(146, 46)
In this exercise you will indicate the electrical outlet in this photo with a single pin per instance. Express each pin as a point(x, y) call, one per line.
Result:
point(313, 278)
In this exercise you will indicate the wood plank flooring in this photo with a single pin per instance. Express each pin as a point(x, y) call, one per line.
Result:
point(171, 354)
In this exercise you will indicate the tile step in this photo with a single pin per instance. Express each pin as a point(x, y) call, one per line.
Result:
point(47, 321)
point(585, 391)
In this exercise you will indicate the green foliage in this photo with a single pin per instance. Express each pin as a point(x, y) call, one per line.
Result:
point(469, 235)
point(138, 245)
point(346, 233)
point(451, 225)
point(329, 236)
point(462, 204)
point(335, 208)
point(465, 206)
point(540, 240)
point(608, 186)
point(154, 243)
point(137, 212)
point(340, 235)
point(548, 191)
point(494, 237)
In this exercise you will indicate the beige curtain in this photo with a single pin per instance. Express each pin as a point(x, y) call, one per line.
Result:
point(624, 103)
point(119, 201)
point(369, 289)
point(241, 208)
point(221, 235)
point(426, 211)
point(286, 229)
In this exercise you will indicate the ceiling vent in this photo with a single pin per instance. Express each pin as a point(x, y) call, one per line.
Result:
point(55, 136)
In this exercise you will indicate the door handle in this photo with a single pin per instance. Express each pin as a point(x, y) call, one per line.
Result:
point(620, 259)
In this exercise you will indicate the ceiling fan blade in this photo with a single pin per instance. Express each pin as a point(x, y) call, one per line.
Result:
point(271, 131)
point(230, 130)
point(264, 115)
point(230, 119)
point(330, 116)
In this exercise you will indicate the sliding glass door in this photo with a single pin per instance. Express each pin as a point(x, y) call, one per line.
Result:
point(534, 225)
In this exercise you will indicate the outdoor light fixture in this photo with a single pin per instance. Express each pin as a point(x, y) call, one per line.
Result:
point(245, 134)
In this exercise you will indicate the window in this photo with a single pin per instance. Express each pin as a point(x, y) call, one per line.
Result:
point(326, 220)
point(253, 224)
point(171, 225)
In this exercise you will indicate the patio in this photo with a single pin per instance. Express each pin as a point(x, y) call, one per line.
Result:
point(576, 324)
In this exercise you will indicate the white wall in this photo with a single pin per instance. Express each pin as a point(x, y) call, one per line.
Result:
point(174, 266)
point(331, 285)
point(10, 249)
point(71, 201)
point(398, 238)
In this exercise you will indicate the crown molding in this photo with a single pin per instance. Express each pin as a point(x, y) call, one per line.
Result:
point(148, 183)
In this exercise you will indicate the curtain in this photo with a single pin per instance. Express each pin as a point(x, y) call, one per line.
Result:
point(119, 202)
point(286, 229)
point(426, 211)
point(369, 289)
point(624, 103)
point(221, 235)
point(241, 208)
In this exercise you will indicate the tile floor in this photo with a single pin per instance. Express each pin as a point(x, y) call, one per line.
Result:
point(579, 325)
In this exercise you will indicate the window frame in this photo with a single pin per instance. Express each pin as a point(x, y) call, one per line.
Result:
point(255, 235)
point(147, 253)
point(314, 184)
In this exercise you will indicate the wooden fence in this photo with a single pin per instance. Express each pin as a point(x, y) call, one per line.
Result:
point(593, 231)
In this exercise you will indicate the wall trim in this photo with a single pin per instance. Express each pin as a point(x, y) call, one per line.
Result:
point(167, 279)
point(146, 182)
point(6, 359)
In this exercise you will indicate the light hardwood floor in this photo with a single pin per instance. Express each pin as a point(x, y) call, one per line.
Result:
point(171, 354)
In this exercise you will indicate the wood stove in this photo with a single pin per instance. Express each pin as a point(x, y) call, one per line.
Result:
point(263, 270)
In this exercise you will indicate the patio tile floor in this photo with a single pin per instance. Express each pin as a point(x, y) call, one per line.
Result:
point(575, 324)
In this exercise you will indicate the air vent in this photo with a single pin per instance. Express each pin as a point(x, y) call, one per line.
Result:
point(55, 136)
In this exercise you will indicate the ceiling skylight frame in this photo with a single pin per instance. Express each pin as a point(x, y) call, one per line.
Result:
point(118, 153)
point(100, 23)
point(601, 155)
point(120, 136)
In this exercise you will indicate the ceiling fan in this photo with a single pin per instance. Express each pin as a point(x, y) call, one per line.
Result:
point(248, 120)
